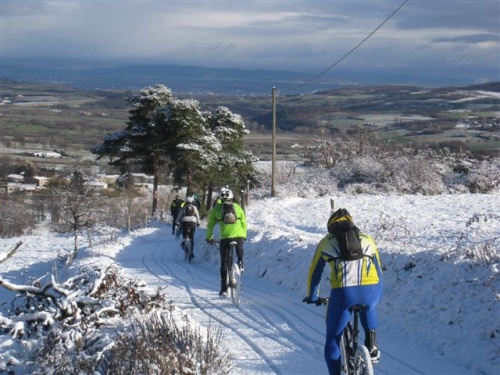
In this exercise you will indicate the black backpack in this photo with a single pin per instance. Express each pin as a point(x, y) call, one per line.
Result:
point(228, 213)
point(189, 210)
point(347, 235)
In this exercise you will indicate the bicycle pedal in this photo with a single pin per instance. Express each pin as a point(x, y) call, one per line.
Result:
point(375, 356)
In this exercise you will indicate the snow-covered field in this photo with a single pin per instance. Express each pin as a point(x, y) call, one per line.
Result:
point(439, 312)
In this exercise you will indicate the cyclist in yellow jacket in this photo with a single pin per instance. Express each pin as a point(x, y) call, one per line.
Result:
point(233, 227)
point(355, 279)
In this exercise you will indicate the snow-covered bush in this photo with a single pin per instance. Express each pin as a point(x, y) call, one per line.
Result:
point(365, 170)
point(78, 321)
point(157, 345)
point(415, 175)
point(400, 172)
point(479, 242)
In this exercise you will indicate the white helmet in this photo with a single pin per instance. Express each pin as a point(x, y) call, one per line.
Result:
point(226, 194)
point(190, 200)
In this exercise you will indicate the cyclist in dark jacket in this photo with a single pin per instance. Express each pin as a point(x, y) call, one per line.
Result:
point(175, 208)
point(188, 218)
point(352, 282)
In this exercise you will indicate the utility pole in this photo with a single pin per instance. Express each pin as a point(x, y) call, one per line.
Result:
point(273, 160)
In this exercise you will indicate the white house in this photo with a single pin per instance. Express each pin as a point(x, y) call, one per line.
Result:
point(41, 180)
point(15, 178)
point(50, 155)
point(98, 185)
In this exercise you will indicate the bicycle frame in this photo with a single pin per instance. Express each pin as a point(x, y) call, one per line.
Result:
point(355, 357)
point(349, 342)
point(233, 280)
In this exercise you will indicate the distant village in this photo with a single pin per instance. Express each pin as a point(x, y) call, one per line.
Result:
point(474, 122)
point(50, 155)
point(18, 183)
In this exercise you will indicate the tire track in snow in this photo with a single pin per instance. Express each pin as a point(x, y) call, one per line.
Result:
point(259, 306)
point(164, 265)
point(274, 306)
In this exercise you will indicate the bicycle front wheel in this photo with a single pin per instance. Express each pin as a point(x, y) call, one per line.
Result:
point(362, 361)
point(235, 283)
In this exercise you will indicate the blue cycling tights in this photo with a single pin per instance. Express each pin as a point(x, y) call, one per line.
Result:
point(337, 317)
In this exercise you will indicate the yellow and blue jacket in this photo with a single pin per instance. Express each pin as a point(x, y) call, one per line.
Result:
point(365, 271)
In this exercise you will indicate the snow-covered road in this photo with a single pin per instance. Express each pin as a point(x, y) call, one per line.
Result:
point(271, 331)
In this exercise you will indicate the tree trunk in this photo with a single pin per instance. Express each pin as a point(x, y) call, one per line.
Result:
point(156, 168)
point(209, 196)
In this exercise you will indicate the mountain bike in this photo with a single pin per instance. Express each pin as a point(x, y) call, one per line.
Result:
point(234, 284)
point(188, 245)
point(355, 356)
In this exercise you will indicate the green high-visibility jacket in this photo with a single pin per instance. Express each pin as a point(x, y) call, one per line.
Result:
point(236, 230)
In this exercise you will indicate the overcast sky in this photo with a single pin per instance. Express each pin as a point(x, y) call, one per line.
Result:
point(298, 35)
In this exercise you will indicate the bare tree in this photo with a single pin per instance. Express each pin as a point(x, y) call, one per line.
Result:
point(77, 208)
point(15, 217)
point(329, 150)
point(133, 204)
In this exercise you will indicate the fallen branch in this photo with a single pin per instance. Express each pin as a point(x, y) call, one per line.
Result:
point(11, 252)
point(28, 289)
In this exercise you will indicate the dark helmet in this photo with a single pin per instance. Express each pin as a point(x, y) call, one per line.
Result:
point(338, 216)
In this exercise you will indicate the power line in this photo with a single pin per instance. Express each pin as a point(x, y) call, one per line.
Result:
point(351, 51)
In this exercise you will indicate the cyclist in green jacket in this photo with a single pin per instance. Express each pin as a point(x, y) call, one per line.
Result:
point(233, 227)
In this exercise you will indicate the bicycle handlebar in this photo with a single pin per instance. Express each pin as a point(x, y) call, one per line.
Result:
point(215, 242)
point(320, 301)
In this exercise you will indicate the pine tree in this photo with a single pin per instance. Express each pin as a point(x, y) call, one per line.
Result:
point(141, 142)
point(190, 145)
point(202, 149)
point(234, 166)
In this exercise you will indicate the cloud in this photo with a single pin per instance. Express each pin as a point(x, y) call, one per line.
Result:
point(303, 35)
point(473, 39)
point(451, 14)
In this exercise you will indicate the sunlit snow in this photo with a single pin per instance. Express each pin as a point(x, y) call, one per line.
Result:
point(439, 313)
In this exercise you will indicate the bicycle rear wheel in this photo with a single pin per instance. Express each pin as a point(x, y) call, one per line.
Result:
point(362, 361)
point(235, 283)
point(187, 249)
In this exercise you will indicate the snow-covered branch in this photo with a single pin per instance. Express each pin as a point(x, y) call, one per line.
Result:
point(11, 252)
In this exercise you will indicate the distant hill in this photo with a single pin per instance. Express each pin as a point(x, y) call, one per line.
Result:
point(196, 80)
point(190, 80)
